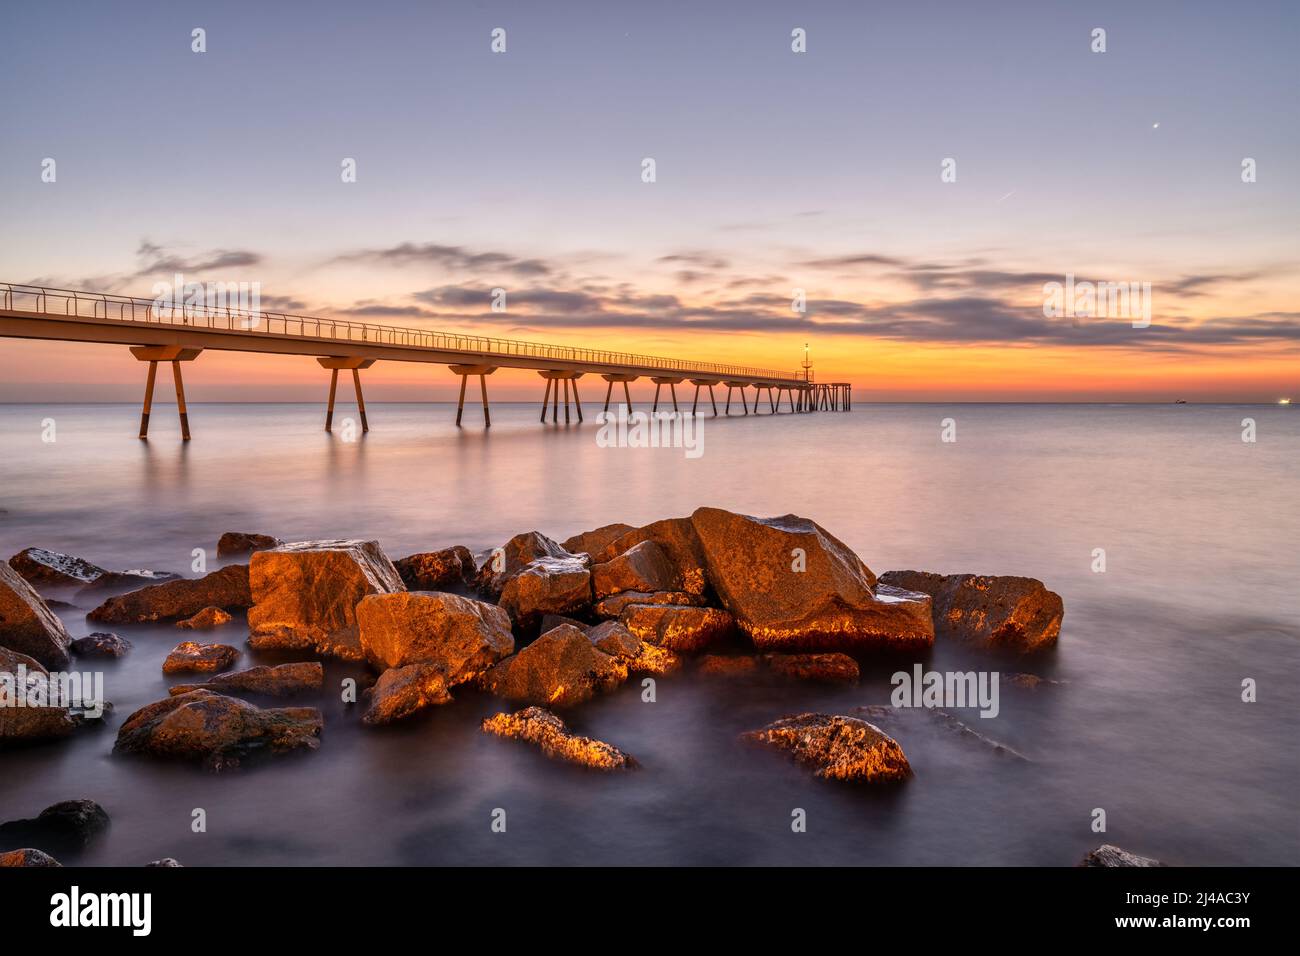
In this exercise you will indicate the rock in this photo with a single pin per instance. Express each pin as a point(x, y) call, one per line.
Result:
point(437, 570)
point(614, 606)
point(612, 638)
point(1110, 855)
point(126, 580)
point(1029, 681)
point(25, 724)
point(27, 857)
point(547, 586)
point(654, 660)
point(282, 680)
point(305, 595)
point(100, 644)
point(167, 861)
point(218, 730)
point(839, 748)
point(191, 657)
point(682, 629)
point(518, 553)
point(226, 588)
point(63, 827)
point(41, 568)
point(402, 691)
point(596, 541)
point(727, 665)
point(460, 636)
point(205, 620)
point(549, 733)
point(824, 668)
point(642, 567)
point(831, 604)
point(555, 620)
point(678, 541)
point(234, 543)
point(27, 625)
point(992, 611)
point(559, 669)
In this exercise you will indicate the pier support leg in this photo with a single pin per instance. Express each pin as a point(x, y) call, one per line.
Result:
point(465, 371)
point(148, 399)
point(655, 407)
point(577, 402)
point(608, 392)
point(329, 408)
point(714, 402)
point(566, 402)
point(728, 399)
point(460, 405)
point(487, 415)
point(627, 396)
point(545, 399)
point(361, 402)
point(153, 354)
point(672, 388)
point(180, 401)
point(696, 401)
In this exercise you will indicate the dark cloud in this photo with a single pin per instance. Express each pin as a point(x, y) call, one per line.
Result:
point(157, 259)
point(452, 257)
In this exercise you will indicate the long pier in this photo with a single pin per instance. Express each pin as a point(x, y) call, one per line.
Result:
point(178, 334)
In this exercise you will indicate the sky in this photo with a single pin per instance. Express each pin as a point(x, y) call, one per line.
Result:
point(775, 171)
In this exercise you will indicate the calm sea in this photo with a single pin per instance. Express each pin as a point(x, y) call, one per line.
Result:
point(1200, 592)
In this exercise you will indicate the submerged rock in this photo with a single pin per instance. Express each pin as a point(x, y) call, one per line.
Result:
point(614, 605)
point(282, 680)
point(126, 580)
point(42, 568)
point(191, 657)
point(547, 586)
point(642, 567)
point(727, 665)
point(682, 629)
point(559, 669)
point(63, 827)
point(679, 543)
point(27, 625)
point(215, 729)
point(1109, 855)
point(460, 636)
point(793, 586)
point(1001, 611)
point(403, 691)
point(226, 588)
point(549, 733)
point(205, 620)
point(305, 595)
point(27, 857)
point(830, 668)
point(437, 570)
point(234, 543)
point(837, 747)
point(20, 725)
point(100, 644)
point(167, 861)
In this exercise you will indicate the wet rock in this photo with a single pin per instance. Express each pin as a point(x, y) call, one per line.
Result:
point(459, 636)
point(234, 543)
point(64, 827)
point(549, 733)
point(685, 630)
point(837, 747)
point(282, 680)
point(27, 857)
point(597, 540)
point(642, 567)
point(518, 553)
point(727, 665)
point(437, 570)
point(226, 588)
point(612, 638)
point(41, 568)
point(126, 580)
point(27, 625)
point(1110, 855)
point(1029, 681)
point(167, 861)
point(305, 595)
point(793, 586)
point(100, 644)
point(1002, 611)
point(403, 691)
point(547, 586)
point(555, 620)
point(678, 541)
point(220, 731)
point(614, 605)
point(822, 668)
point(559, 669)
point(25, 724)
point(205, 620)
point(191, 657)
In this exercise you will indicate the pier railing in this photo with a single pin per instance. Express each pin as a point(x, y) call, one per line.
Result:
point(67, 303)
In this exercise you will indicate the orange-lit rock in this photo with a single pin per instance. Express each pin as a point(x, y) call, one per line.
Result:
point(727, 665)
point(226, 588)
point(642, 567)
point(677, 539)
point(996, 611)
point(682, 629)
point(793, 586)
point(437, 570)
point(220, 731)
point(27, 724)
point(27, 625)
point(305, 595)
point(461, 636)
point(837, 748)
point(41, 568)
point(549, 733)
point(597, 540)
point(612, 638)
point(244, 542)
point(518, 553)
point(27, 857)
point(614, 605)
point(403, 691)
point(559, 669)
point(191, 657)
point(205, 620)
point(547, 586)
point(282, 680)
point(823, 668)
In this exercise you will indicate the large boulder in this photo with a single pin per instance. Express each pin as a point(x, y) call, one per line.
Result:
point(1109, 855)
point(518, 553)
point(559, 669)
point(27, 625)
point(994, 611)
point(27, 857)
point(282, 680)
point(794, 586)
point(220, 731)
point(597, 540)
point(678, 541)
point(459, 636)
point(642, 567)
point(226, 588)
point(685, 630)
point(20, 723)
point(437, 570)
point(305, 595)
point(63, 827)
point(549, 733)
point(403, 691)
point(836, 747)
point(236, 543)
point(560, 586)
point(191, 657)
point(42, 568)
